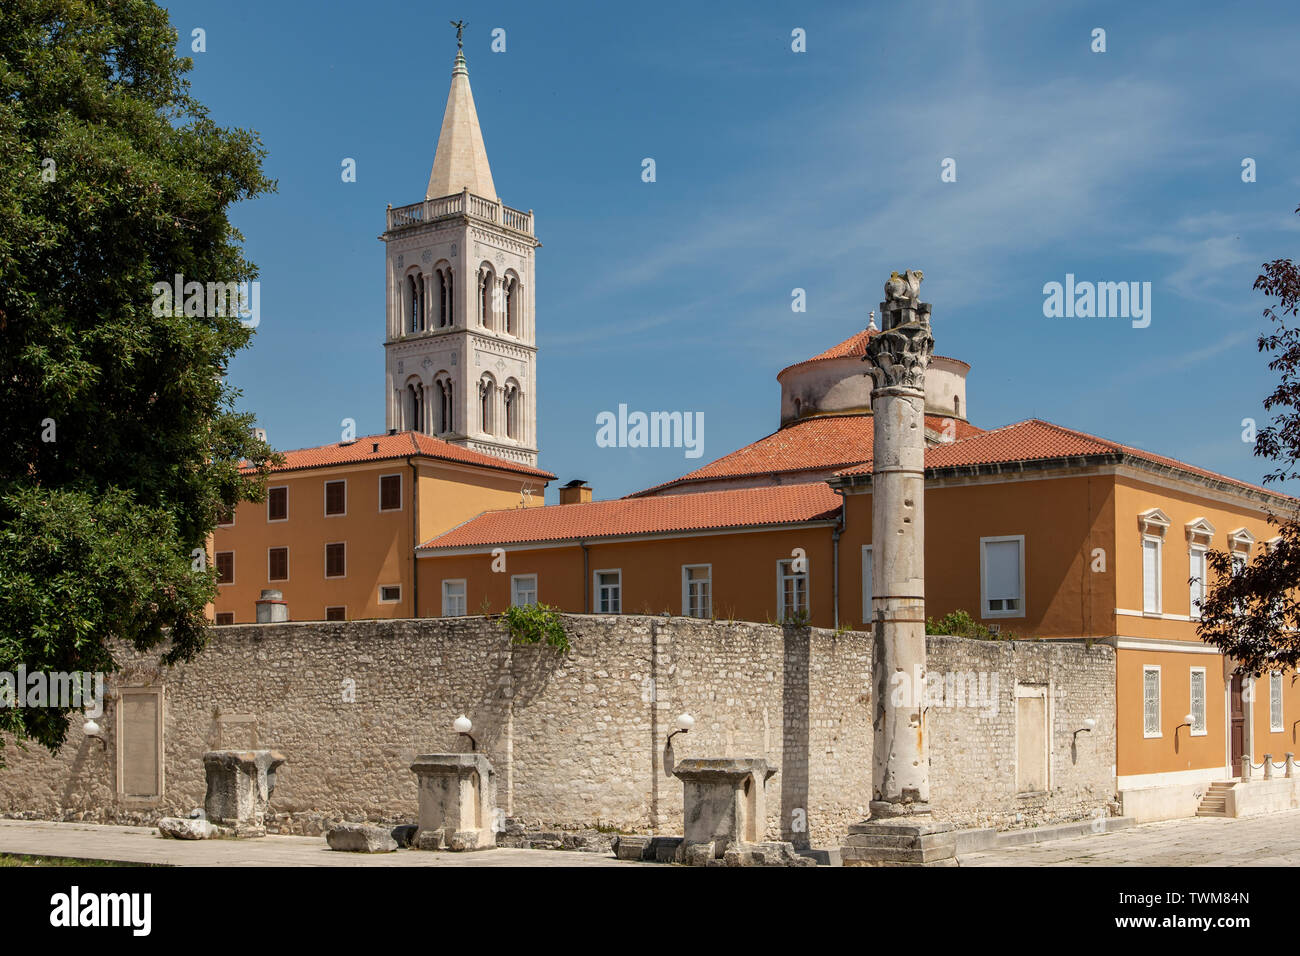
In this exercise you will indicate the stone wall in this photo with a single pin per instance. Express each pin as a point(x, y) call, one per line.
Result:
point(578, 741)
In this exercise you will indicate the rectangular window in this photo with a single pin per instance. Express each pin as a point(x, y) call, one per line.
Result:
point(336, 560)
point(609, 592)
point(390, 492)
point(1002, 576)
point(277, 564)
point(697, 590)
point(453, 598)
point(336, 613)
point(1151, 701)
point(225, 517)
point(277, 503)
point(390, 594)
point(791, 593)
point(1275, 702)
point(523, 590)
point(225, 617)
point(868, 568)
point(225, 567)
point(336, 497)
point(1198, 702)
point(1151, 575)
point(1196, 581)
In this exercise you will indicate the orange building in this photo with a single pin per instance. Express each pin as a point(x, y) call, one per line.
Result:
point(1037, 531)
point(336, 532)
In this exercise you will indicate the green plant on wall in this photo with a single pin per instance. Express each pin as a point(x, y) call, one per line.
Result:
point(535, 624)
point(961, 624)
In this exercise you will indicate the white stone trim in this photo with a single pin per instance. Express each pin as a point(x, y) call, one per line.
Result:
point(1171, 645)
point(1141, 781)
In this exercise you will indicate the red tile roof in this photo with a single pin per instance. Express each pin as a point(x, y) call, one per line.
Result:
point(705, 510)
point(1037, 440)
point(855, 346)
point(823, 443)
point(399, 446)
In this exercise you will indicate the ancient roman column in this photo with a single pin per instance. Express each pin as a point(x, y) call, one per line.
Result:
point(897, 358)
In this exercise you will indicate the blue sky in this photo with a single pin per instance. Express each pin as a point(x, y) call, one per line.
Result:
point(779, 170)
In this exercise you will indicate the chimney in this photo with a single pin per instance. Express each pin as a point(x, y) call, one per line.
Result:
point(576, 492)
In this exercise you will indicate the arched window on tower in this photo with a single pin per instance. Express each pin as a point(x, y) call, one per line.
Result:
point(444, 406)
point(512, 409)
point(486, 284)
point(444, 296)
point(415, 407)
point(510, 285)
point(486, 398)
point(420, 312)
point(412, 304)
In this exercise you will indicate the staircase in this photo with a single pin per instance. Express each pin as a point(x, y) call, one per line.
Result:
point(1214, 803)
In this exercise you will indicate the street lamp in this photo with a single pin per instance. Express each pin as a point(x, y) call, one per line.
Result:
point(463, 725)
point(684, 724)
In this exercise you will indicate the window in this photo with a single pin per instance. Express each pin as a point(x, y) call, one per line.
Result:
point(1151, 701)
point(512, 410)
point(225, 617)
point(523, 589)
point(1198, 702)
point(868, 569)
point(1151, 591)
point(225, 516)
point(336, 613)
point(511, 290)
point(336, 560)
point(225, 567)
point(445, 423)
point(277, 503)
point(1275, 702)
point(486, 396)
point(791, 592)
point(453, 598)
point(390, 593)
point(336, 497)
point(277, 564)
point(697, 590)
point(1002, 576)
point(609, 592)
point(415, 407)
point(390, 492)
point(1196, 580)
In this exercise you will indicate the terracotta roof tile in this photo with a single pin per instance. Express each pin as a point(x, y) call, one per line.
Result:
point(855, 346)
point(705, 510)
point(384, 447)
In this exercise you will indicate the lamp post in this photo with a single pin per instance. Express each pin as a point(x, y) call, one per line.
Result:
point(684, 724)
point(463, 725)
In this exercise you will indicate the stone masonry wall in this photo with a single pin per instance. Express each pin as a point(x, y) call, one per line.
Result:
point(577, 741)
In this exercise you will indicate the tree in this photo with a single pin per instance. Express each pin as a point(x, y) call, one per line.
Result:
point(120, 442)
point(1251, 611)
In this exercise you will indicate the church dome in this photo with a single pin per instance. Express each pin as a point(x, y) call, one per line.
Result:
point(836, 383)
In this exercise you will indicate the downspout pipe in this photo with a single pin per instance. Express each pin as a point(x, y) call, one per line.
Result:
point(835, 554)
point(415, 540)
point(586, 577)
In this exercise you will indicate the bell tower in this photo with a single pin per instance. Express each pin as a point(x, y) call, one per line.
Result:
point(461, 344)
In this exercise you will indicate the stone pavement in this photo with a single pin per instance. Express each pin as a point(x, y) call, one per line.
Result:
point(1269, 840)
point(144, 845)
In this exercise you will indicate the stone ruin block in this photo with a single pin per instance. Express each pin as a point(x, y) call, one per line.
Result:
point(457, 794)
point(240, 783)
point(724, 808)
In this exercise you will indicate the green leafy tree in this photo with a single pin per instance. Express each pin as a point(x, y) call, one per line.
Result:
point(120, 442)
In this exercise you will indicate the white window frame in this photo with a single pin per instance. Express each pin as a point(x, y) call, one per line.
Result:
point(984, 594)
point(464, 596)
point(516, 581)
point(782, 612)
point(1275, 703)
point(325, 561)
point(686, 595)
point(396, 600)
point(868, 570)
point(269, 579)
point(1159, 572)
point(1159, 732)
point(379, 488)
point(1192, 610)
point(269, 519)
point(325, 497)
point(1205, 696)
point(597, 587)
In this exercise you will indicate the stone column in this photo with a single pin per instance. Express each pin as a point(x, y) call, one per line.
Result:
point(899, 831)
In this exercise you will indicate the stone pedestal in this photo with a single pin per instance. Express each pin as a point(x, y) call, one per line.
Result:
point(271, 607)
point(724, 804)
point(901, 841)
point(458, 794)
point(240, 783)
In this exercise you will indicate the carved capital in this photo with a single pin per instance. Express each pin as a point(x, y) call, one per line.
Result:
point(898, 357)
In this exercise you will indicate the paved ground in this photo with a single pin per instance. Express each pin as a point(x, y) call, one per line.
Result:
point(144, 845)
point(1269, 840)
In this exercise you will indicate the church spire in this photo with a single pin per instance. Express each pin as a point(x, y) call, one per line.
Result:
point(461, 160)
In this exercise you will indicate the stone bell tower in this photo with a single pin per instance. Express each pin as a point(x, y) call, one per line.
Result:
point(461, 344)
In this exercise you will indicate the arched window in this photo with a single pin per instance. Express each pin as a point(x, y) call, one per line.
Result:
point(415, 406)
point(956, 405)
point(420, 312)
point(486, 285)
point(510, 288)
point(444, 406)
point(413, 304)
point(444, 296)
point(486, 399)
point(512, 410)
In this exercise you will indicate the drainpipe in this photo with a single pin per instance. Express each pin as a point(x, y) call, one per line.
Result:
point(586, 578)
point(835, 554)
point(415, 540)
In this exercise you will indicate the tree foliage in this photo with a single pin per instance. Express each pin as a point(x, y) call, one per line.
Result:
point(120, 441)
point(1250, 611)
